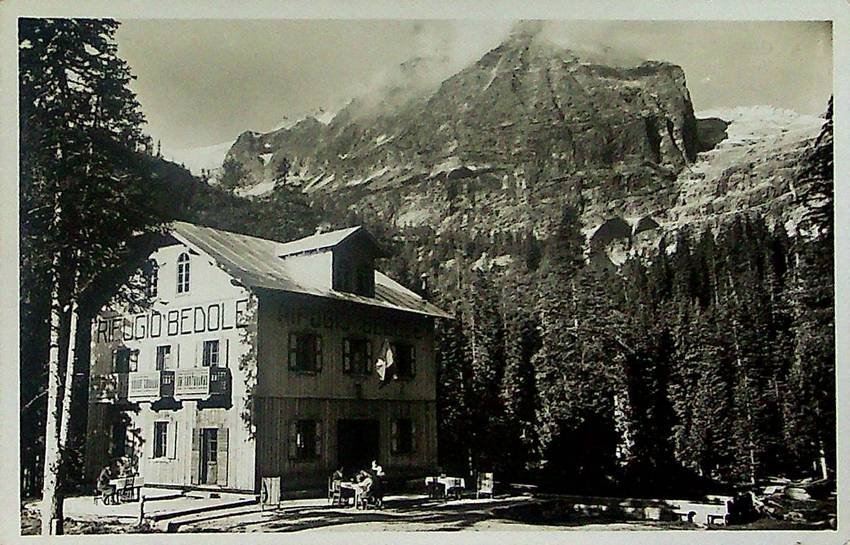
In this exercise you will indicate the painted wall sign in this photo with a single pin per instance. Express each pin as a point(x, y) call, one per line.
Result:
point(364, 325)
point(218, 316)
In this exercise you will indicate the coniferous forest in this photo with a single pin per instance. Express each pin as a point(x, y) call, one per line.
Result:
point(707, 362)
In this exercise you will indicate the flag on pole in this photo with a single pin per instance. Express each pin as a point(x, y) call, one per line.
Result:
point(386, 359)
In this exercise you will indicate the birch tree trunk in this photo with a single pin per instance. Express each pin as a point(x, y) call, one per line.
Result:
point(67, 399)
point(51, 523)
point(70, 364)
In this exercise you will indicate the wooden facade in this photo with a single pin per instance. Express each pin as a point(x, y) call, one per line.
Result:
point(228, 377)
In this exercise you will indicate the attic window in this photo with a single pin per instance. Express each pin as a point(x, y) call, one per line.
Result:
point(183, 273)
point(359, 279)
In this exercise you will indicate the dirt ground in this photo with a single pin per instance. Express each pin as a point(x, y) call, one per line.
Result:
point(409, 514)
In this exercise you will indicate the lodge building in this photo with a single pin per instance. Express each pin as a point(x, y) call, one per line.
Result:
point(257, 358)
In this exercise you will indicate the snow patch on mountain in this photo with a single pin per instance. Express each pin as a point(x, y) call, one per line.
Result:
point(256, 190)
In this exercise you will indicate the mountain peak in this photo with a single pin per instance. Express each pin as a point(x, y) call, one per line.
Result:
point(526, 30)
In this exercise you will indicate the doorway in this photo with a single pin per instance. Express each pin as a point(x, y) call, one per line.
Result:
point(357, 444)
point(209, 456)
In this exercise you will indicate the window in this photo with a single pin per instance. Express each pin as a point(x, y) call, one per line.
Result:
point(357, 277)
point(183, 273)
point(211, 437)
point(356, 356)
point(405, 360)
point(125, 360)
point(402, 436)
point(163, 357)
point(305, 440)
point(151, 274)
point(305, 352)
point(211, 354)
point(160, 439)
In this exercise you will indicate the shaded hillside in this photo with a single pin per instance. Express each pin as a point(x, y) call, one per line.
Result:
point(174, 193)
point(475, 173)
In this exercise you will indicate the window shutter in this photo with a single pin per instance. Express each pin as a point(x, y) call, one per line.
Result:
point(318, 340)
point(293, 440)
point(153, 441)
point(369, 356)
point(196, 456)
point(319, 437)
point(293, 344)
point(394, 435)
point(412, 360)
point(171, 446)
point(346, 356)
point(223, 449)
point(199, 354)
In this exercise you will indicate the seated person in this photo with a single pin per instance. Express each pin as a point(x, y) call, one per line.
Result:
point(364, 485)
point(106, 474)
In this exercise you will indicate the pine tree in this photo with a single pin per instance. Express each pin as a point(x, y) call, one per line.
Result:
point(486, 333)
point(517, 391)
point(81, 196)
point(453, 378)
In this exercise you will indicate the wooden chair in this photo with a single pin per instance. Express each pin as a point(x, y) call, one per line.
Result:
point(106, 498)
point(485, 485)
point(433, 487)
point(454, 486)
point(334, 491)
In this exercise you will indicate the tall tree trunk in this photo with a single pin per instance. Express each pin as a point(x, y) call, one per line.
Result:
point(822, 460)
point(747, 389)
point(67, 398)
point(51, 521)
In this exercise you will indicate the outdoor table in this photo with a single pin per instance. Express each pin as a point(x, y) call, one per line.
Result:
point(449, 485)
point(352, 487)
point(126, 488)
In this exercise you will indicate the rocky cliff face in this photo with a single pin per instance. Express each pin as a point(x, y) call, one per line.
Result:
point(503, 144)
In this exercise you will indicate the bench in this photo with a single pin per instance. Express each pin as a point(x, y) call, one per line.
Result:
point(125, 489)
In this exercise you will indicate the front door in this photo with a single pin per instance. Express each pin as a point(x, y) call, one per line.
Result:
point(357, 444)
point(208, 471)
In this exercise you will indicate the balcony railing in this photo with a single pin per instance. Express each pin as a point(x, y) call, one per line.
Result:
point(144, 386)
point(201, 382)
point(179, 384)
point(110, 388)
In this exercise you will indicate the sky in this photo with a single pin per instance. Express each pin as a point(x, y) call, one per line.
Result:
point(203, 82)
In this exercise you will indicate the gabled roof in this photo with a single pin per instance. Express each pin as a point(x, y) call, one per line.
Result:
point(257, 263)
point(318, 242)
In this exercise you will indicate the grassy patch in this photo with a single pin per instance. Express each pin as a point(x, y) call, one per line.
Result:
point(31, 525)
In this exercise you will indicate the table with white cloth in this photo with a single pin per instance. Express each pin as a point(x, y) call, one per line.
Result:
point(443, 487)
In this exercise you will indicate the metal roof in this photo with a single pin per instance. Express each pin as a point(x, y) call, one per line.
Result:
point(257, 263)
point(317, 242)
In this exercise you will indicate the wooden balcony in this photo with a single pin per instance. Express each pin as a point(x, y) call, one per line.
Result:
point(201, 383)
point(144, 386)
point(179, 384)
point(111, 388)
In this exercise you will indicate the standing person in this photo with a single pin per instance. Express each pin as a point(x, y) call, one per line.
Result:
point(379, 484)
